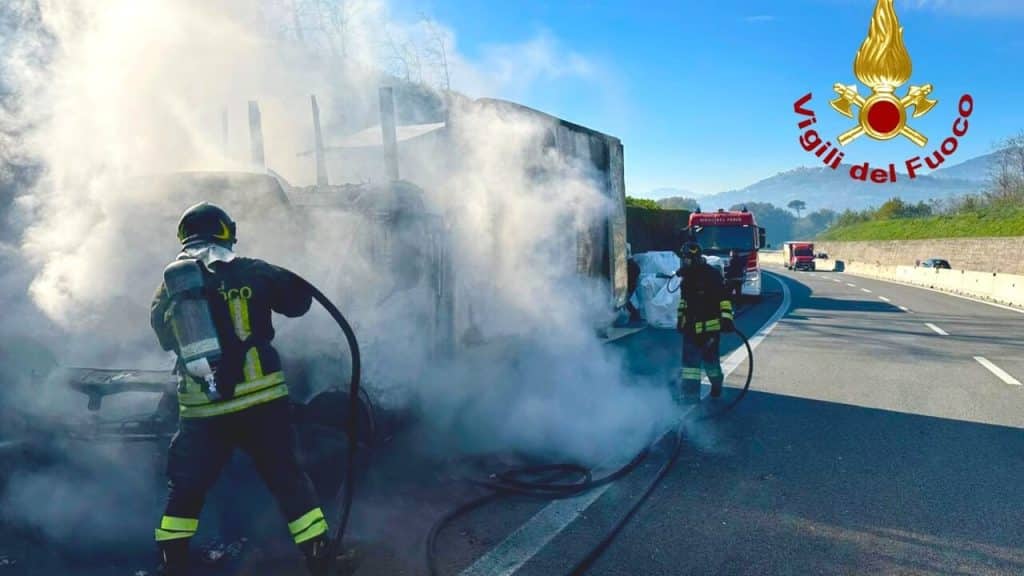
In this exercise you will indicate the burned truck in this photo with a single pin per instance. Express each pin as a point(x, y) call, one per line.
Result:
point(411, 244)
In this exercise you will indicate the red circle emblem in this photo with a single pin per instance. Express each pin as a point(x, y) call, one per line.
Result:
point(884, 117)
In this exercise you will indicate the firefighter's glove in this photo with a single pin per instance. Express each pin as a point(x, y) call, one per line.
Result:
point(728, 325)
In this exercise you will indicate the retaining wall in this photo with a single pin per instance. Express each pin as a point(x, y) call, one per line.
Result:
point(997, 287)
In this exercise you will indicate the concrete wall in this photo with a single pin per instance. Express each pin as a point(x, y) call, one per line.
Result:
point(1005, 289)
point(1002, 255)
point(996, 287)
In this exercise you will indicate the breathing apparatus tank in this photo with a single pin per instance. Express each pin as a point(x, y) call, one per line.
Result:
point(198, 345)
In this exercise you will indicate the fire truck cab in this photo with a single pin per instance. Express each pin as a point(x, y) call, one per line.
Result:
point(734, 238)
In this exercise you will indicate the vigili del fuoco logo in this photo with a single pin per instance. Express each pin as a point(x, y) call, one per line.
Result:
point(883, 65)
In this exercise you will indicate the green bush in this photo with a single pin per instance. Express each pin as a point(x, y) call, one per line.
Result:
point(646, 203)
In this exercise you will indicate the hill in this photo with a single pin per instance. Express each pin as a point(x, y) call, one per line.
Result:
point(972, 224)
point(821, 187)
point(978, 169)
point(834, 189)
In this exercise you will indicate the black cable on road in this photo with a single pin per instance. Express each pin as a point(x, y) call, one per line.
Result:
point(583, 565)
point(512, 483)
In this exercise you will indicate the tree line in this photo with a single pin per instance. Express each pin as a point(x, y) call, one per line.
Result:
point(780, 224)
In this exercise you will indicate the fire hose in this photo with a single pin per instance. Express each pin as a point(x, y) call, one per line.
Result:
point(335, 540)
point(515, 482)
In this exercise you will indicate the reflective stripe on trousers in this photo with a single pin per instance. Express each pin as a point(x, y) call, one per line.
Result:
point(308, 526)
point(175, 528)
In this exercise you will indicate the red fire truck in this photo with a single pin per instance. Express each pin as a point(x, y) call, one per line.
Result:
point(735, 238)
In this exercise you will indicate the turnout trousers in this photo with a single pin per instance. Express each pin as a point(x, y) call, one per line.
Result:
point(700, 351)
point(201, 448)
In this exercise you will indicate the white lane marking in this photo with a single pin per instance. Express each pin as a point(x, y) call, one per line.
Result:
point(836, 280)
point(509, 555)
point(999, 372)
point(961, 296)
point(866, 290)
point(905, 309)
point(851, 285)
point(937, 330)
point(884, 299)
point(521, 545)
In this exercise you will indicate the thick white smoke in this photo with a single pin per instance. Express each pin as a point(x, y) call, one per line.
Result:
point(106, 94)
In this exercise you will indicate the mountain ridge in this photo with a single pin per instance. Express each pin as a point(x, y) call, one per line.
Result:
point(822, 187)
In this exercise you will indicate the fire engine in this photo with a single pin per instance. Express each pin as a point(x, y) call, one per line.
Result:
point(731, 239)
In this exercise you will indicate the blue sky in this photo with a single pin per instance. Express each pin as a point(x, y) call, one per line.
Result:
point(701, 92)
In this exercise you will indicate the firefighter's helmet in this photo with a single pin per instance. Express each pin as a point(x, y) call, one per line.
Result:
point(690, 253)
point(206, 222)
point(691, 249)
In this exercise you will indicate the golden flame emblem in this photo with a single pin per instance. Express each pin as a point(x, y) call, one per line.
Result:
point(883, 64)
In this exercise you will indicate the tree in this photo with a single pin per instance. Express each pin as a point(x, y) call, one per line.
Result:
point(797, 206)
point(822, 219)
point(678, 203)
point(642, 203)
point(777, 222)
point(1007, 179)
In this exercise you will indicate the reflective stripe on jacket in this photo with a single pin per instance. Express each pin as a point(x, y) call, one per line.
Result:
point(703, 300)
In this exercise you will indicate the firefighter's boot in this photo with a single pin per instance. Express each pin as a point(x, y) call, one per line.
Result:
point(173, 558)
point(317, 553)
point(689, 386)
point(716, 388)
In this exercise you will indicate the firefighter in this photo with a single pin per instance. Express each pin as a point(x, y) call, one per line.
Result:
point(213, 309)
point(705, 311)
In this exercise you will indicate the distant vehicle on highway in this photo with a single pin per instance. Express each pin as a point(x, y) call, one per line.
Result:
point(799, 255)
point(936, 263)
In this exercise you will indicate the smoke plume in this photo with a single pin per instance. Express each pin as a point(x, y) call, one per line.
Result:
point(102, 101)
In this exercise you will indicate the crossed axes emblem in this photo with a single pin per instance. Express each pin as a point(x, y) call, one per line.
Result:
point(917, 98)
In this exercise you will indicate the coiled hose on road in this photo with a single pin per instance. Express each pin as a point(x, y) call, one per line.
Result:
point(546, 487)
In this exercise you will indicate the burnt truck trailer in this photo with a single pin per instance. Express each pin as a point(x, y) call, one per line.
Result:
point(412, 244)
point(420, 153)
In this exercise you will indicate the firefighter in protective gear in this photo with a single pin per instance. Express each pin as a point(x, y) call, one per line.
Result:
point(246, 405)
point(705, 311)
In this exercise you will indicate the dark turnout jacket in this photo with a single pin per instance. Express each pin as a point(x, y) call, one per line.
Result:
point(704, 299)
point(242, 294)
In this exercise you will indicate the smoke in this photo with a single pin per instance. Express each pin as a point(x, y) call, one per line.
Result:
point(103, 99)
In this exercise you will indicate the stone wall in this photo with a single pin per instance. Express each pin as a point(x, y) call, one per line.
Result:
point(1003, 255)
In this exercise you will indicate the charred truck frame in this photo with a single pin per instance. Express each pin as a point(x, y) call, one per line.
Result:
point(403, 231)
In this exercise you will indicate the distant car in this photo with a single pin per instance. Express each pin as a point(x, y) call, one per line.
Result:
point(936, 263)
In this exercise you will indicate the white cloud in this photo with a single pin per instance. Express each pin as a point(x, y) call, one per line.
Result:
point(972, 7)
point(513, 70)
point(759, 18)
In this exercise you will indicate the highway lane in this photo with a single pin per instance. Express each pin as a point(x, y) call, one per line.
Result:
point(994, 330)
point(937, 375)
point(873, 445)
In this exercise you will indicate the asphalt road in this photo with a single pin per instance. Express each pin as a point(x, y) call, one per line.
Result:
point(872, 445)
point(882, 436)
